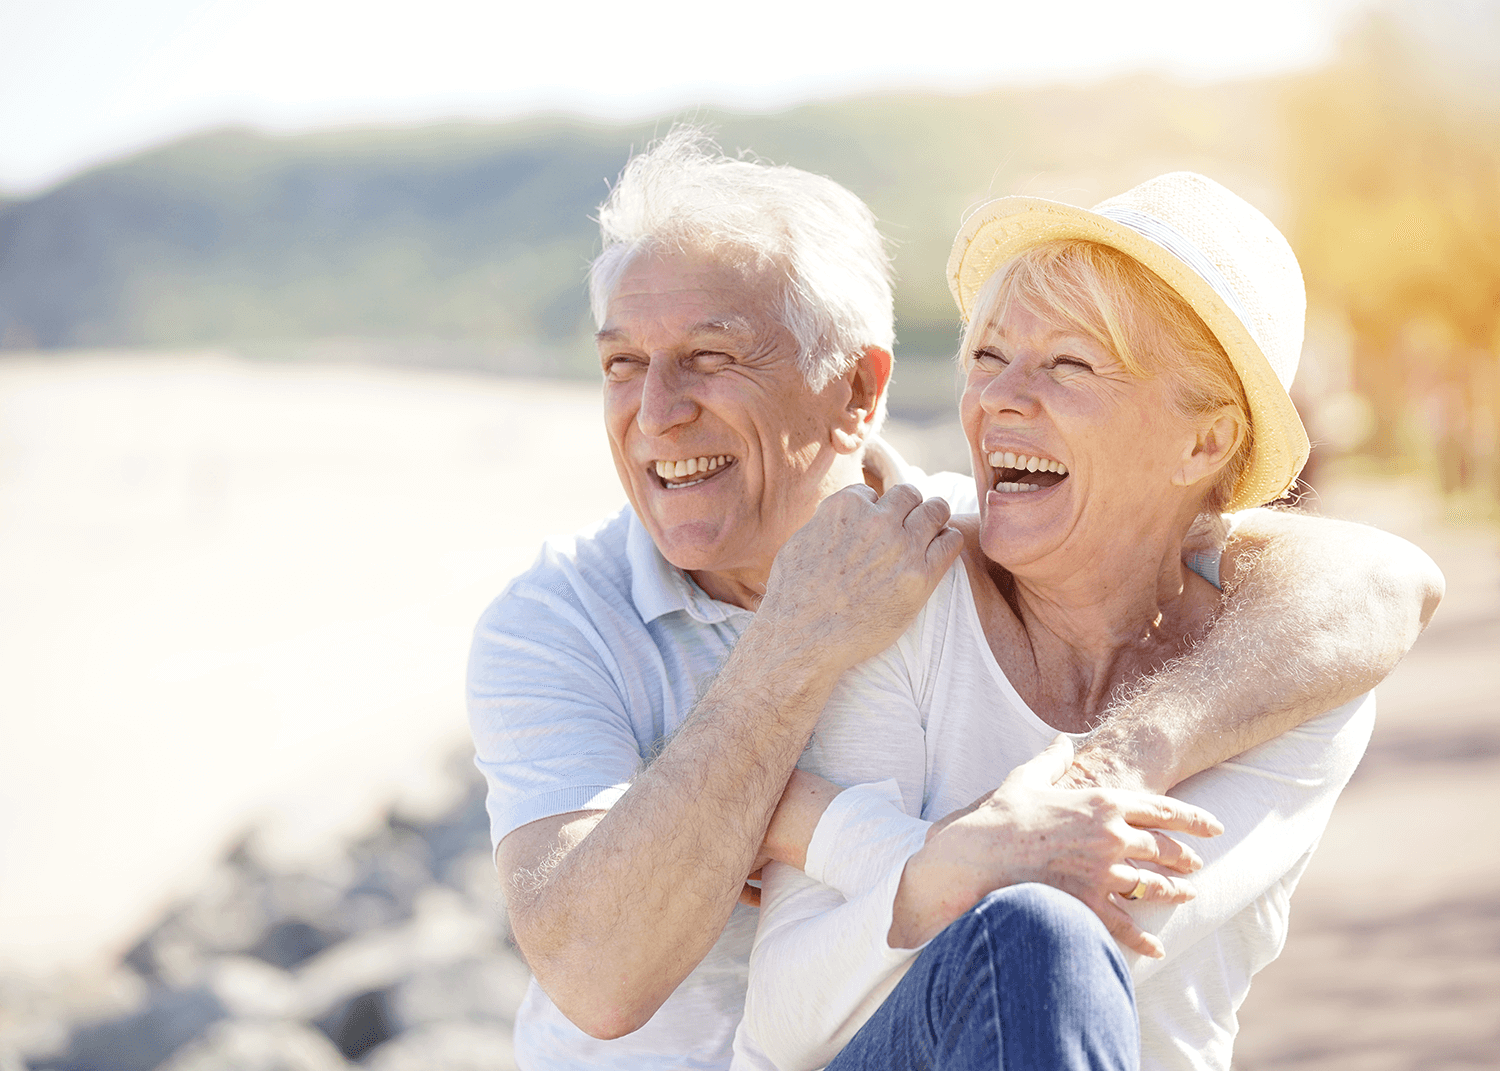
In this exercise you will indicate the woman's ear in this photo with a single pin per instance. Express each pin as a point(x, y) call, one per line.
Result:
point(866, 381)
point(1218, 437)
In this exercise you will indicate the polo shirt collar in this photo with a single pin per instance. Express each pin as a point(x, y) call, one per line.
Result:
point(657, 587)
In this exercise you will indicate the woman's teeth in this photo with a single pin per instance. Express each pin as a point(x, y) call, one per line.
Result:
point(1019, 463)
point(693, 466)
point(1008, 460)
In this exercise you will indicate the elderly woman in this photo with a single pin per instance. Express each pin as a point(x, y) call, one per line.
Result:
point(1127, 372)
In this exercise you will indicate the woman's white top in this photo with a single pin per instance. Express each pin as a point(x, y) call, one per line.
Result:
point(926, 728)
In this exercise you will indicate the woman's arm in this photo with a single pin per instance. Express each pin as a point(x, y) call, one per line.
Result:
point(834, 941)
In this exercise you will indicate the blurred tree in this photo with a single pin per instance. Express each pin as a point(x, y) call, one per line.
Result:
point(1394, 161)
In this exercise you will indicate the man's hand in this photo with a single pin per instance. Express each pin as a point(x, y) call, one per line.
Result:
point(851, 580)
point(1086, 842)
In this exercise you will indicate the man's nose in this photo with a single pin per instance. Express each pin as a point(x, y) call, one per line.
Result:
point(666, 397)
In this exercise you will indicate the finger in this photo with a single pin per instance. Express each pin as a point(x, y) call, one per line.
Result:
point(749, 895)
point(1046, 768)
point(1152, 846)
point(944, 548)
point(901, 499)
point(1162, 812)
point(1124, 929)
point(928, 517)
point(1140, 884)
point(1173, 854)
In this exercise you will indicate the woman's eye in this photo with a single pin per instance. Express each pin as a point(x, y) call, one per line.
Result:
point(1074, 362)
point(988, 358)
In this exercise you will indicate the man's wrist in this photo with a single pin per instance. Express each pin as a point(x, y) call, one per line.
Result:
point(779, 660)
point(1101, 765)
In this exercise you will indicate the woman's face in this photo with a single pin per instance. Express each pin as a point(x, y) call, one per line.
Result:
point(1072, 452)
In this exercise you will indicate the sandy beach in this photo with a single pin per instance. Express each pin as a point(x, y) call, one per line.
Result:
point(235, 600)
point(238, 597)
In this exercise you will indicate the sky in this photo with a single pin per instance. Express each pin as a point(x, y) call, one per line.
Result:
point(85, 81)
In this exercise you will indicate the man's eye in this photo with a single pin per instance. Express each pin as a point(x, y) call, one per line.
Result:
point(711, 359)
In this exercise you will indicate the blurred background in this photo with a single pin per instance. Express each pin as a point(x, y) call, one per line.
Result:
point(296, 371)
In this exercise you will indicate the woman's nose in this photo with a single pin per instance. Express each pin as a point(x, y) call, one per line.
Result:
point(1009, 391)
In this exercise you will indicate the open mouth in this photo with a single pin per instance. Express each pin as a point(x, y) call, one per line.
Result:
point(1023, 473)
point(691, 471)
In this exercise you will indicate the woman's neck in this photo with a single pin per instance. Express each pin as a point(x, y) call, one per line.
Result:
point(1070, 640)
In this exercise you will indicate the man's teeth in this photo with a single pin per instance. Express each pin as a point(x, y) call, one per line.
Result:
point(1008, 460)
point(678, 470)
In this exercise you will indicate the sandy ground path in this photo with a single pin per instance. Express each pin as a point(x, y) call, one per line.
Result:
point(1393, 962)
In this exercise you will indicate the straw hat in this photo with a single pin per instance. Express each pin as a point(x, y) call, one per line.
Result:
point(1222, 256)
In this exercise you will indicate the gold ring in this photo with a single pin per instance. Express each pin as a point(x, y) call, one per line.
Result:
point(1140, 887)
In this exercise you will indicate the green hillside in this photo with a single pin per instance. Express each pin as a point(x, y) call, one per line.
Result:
point(467, 244)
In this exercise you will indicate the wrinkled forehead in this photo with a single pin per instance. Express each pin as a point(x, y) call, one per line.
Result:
point(721, 293)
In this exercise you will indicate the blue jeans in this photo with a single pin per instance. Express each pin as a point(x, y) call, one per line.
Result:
point(1027, 980)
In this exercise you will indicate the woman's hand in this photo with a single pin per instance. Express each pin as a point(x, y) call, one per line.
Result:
point(1086, 842)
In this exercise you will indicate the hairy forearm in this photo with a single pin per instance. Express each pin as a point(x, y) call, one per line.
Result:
point(1316, 613)
point(623, 914)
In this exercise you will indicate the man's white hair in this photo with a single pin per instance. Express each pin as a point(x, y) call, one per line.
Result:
point(683, 193)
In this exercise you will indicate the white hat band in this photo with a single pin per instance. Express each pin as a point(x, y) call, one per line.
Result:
point(1181, 247)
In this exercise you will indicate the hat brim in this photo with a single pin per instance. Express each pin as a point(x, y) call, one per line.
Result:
point(1001, 229)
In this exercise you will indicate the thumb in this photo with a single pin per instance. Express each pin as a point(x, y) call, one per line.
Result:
point(1050, 765)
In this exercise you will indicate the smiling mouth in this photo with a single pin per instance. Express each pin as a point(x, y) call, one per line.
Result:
point(691, 471)
point(1023, 473)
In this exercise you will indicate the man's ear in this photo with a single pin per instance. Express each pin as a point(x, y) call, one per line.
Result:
point(1219, 435)
point(867, 380)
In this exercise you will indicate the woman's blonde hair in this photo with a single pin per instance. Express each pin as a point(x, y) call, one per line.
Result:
point(1127, 308)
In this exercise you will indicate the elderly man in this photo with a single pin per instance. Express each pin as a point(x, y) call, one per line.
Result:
point(640, 697)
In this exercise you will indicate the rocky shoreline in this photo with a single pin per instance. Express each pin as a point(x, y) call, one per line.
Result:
point(392, 952)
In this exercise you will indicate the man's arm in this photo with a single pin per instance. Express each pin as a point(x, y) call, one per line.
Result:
point(1317, 612)
point(613, 909)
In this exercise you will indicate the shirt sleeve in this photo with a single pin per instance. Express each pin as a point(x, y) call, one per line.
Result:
point(1274, 801)
point(547, 710)
point(821, 963)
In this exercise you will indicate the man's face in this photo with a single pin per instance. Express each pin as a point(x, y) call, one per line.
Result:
point(723, 449)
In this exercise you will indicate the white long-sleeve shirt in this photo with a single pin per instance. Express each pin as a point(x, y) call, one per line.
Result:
point(926, 728)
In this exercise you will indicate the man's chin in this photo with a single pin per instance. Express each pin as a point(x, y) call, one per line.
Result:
point(692, 546)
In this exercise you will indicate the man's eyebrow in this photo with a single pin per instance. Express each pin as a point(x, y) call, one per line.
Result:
point(725, 327)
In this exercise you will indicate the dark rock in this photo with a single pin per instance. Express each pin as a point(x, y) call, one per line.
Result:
point(360, 1024)
point(291, 943)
